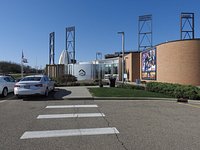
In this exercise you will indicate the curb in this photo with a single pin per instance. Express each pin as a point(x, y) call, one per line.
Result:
point(78, 98)
point(118, 98)
point(133, 98)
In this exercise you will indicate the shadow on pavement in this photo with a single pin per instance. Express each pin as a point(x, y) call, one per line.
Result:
point(57, 94)
point(60, 93)
point(10, 96)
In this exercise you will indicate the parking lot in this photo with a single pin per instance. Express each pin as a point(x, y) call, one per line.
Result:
point(121, 124)
point(156, 124)
point(51, 96)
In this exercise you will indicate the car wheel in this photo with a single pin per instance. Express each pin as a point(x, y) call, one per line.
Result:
point(53, 89)
point(47, 93)
point(5, 92)
point(19, 97)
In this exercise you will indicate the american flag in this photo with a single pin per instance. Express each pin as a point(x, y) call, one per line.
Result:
point(24, 60)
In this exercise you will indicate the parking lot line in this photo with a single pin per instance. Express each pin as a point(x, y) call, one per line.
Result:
point(65, 133)
point(190, 105)
point(3, 101)
point(81, 115)
point(71, 106)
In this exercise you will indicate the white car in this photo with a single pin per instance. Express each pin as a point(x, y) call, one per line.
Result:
point(33, 85)
point(6, 85)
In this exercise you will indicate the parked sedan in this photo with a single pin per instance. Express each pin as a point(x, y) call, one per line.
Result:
point(6, 85)
point(33, 85)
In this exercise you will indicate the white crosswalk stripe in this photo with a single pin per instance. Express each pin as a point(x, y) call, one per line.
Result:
point(69, 132)
point(80, 115)
point(3, 101)
point(72, 106)
point(73, 132)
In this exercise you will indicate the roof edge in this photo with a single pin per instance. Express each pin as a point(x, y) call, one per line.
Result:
point(177, 41)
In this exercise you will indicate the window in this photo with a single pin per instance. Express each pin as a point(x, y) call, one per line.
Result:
point(108, 69)
point(31, 79)
point(115, 68)
point(7, 79)
point(11, 79)
point(46, 79)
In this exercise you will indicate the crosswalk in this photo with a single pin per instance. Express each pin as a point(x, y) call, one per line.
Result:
point(72, 106)
point(69, 132)
point(79, 115)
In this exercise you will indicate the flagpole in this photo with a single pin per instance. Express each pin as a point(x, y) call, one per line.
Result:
point(23, 60)
point(22, 69)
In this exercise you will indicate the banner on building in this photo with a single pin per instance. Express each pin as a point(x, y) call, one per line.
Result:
point(149, 64)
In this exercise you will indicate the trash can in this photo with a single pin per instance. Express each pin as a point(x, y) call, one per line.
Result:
point(100, 83)
point(112, 81)
point(137, 81)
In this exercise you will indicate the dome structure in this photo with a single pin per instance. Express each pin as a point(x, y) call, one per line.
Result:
point(64, 58)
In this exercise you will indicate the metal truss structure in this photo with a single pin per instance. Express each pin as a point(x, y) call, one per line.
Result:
point(187, 26)
point(144, 32)
point(51, 48)
point(70, 43)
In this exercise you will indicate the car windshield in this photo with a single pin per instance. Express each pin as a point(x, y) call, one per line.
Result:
point(31, 79)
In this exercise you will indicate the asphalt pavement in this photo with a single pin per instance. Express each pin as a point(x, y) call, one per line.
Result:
point(18, 117)
point(55, 122)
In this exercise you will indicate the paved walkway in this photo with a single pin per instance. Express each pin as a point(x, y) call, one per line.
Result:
point(73, 92)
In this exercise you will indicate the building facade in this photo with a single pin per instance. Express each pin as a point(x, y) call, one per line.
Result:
point(176, 62)
point(172, 62)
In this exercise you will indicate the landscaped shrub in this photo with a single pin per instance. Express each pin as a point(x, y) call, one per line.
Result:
point(65, 80)
point(175, 90)
point(128, 86)
point(179, 92)
point(89, 84)
point(190, 92)
point(70, 80)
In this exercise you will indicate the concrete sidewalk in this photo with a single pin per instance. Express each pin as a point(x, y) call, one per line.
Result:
point(78, 92)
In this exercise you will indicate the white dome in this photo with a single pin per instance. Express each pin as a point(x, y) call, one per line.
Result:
point(64, 58)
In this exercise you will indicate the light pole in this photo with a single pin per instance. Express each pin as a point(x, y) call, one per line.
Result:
point(99, 57)
point(122, 33)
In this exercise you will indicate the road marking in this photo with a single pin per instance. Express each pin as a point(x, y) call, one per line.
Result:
point(193, 102)
point(81, 115)
point(190, 105)
point(65, 133)
point(72, 106)
point(3, 101)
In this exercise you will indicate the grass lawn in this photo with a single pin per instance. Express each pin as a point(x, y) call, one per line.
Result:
point(122, 92)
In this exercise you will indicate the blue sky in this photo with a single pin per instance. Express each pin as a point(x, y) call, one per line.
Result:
point(26, 24)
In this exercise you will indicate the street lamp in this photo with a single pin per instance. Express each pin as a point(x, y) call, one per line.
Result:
point(122, 33)
point(99, 57)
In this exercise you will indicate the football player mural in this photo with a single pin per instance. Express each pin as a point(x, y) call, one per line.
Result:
point(149, 64)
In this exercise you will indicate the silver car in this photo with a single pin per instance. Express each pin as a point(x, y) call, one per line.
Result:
point(33, 85)
point(6, 85)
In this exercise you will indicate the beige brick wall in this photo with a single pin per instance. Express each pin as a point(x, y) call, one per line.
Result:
point(179, 62)
point(132, 62)
point(136, 66)
point(128, 66)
